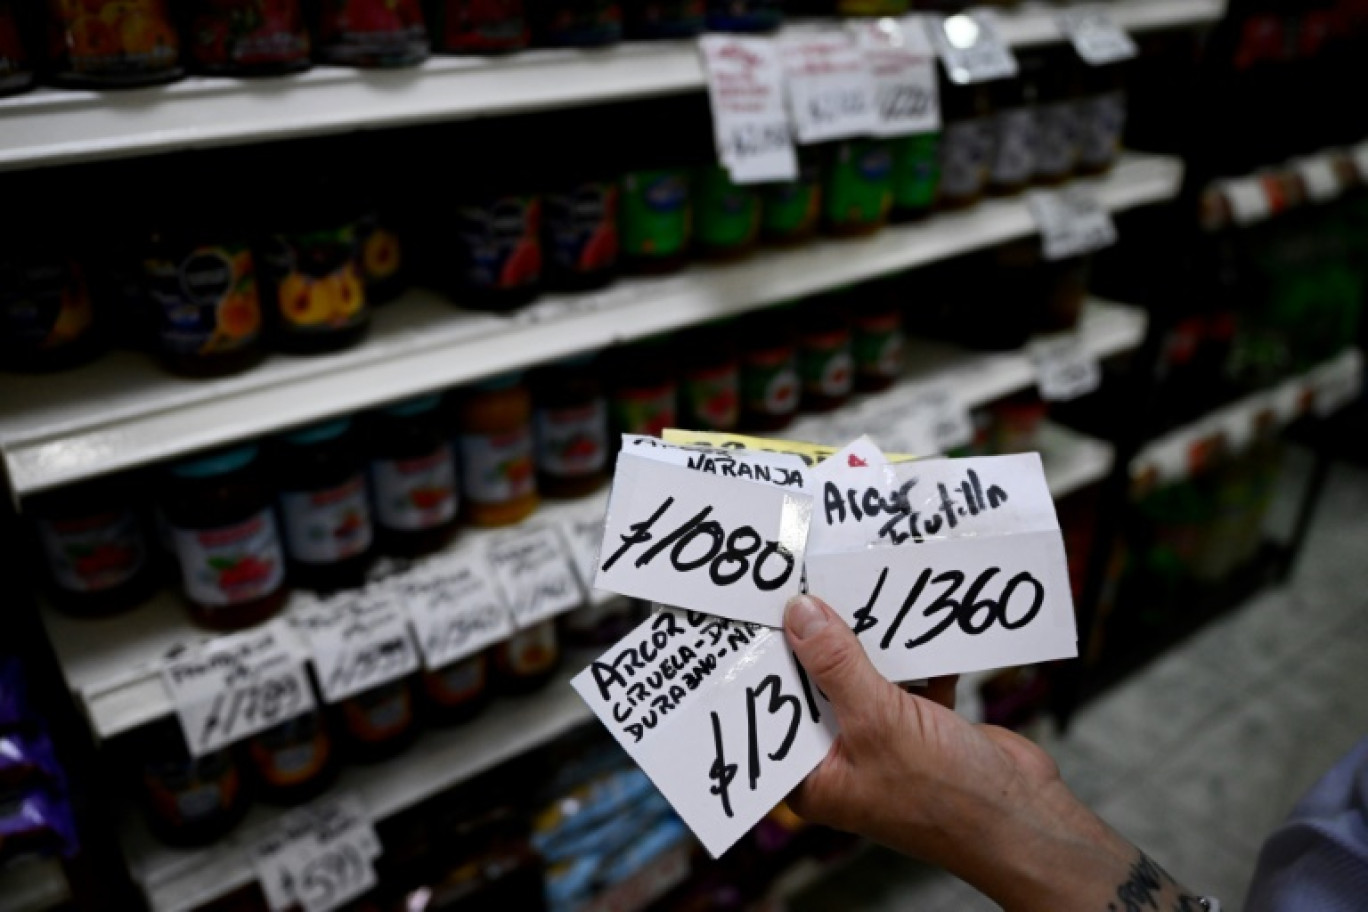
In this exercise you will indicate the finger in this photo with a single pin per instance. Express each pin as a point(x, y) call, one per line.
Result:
point(832, 657)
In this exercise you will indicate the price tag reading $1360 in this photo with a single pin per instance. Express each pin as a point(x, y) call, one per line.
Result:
point(319, 857)
point(746, 90)
point(358, 640)
point(235, 686)
point(719, 714)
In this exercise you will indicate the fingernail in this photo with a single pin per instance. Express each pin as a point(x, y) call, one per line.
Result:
point(804, 616)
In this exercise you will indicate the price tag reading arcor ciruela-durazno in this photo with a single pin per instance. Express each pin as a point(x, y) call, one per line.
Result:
point(703, 542)
point(718, 713)
point(967, 569)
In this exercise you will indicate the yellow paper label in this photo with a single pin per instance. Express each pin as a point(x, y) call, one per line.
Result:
point(810, 453)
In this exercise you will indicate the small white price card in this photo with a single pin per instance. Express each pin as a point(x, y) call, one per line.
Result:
point(1338, 383)
point(358, 639)
point(1095, 36)
point(746, 90)
point(1071, 221)
point(1064, 367)
point(235, 686)
point(582, 531)
point(972, 48)
point(932, 419)
point(718, 713)
point(1247, 198)
point(830, 94)
point(317, 858)
point(535, 573)
point(1319, 177)
point(454, 606)
point(902, 66)
point(701, 541)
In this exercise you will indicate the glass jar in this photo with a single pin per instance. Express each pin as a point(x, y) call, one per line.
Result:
point(498, 236)
point(104, 44)
point(744, 15)
point(294, 761)
point(219, 512)
point(383, 268)
point(770, 386)
point(1015, 134)
point(664, 19)
point(656, 219)
point(324, 513)
point(966, 144)
point(378, 723)
point(878, 343)
point(528, 659)
point(857, 193)
point(189, 801)
point(372, 33)
point(791, 209)
point(498, 477)
point(916, 175)
point(16, 58)
point(1056, 152)
point(643, 392)
point(412, 478)
point(1101, 117)
point(727, 214)
point(248, 37)
point(826, 366)
point(479, 26)
point(457, 691)
point(570, 427)
point(709, 380)
point(577, 23)
point(581, 208)
point(95, 544)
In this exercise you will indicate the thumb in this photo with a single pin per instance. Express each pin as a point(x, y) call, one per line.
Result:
point(832, 657)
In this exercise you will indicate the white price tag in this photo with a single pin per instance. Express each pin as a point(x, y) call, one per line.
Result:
point(1359, 154)
point(582, 531)
point(235, 686)
point(1071, 221)
point(1247, 198)
point(358, 639)
point(1319, 177)
point(318, 857)
point(934, 418)
point(972, 48)
point(701, 541)
point(534, 571)
point(902, 67)
point(454, 606)
point(1065, 369)
point(830, 94)
point(1338, 383)
point(1095, 36)
point(719, 714)
point(750, 127)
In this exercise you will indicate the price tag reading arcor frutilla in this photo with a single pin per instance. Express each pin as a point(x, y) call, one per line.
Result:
point(358, 639)
point(746, 91)
point(977, 580)
point(455, 607)
point(535, 573)
point(704, 542)
point(719, 714)
point(235, 686)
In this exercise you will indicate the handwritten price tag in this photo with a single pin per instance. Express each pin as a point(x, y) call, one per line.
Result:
point(696, 540)
point(931, 419)
point(1065, 369)
point(902, 67)
point(1095, 36)
point(318, 857)
point(746, 90)
point(1071, 221)
point(972, 48)
point(830, 94)
point(1247, 198)
point(1338, 383)
point(455, 608)
point(719, 714)
point(582, 533)
point(235, 686)
point(1319, 177)
point(534, 573)
point(358, 640)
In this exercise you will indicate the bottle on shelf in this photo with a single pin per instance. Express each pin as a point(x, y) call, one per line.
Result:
point(857, 186)
point(791, 210)
point(1057, 129)
point(916, 175)
point(826, 365)
point(877, 342)
point(479, 26)
point(726, 214)
point(218, 509)
point(372, 33)
point(656, 216)
point(770, 386)
point(710, 379)
point(246, 38)
point(1015, 133)
point(528, 659)
point(189, 801)
point(107, 44)
point(294, 761)
point(577, 23)
point(966, 143)
point(457, 691)
point(412, 478)
point(570, 427)
point(494, 433)
point(378, 723)
point(643, 392)
point(581, 207)
point(1101, 115)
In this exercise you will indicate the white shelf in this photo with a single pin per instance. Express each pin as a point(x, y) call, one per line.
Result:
point(55, 126)
point(1073, 460)
point(123, 411)
point(32, 884)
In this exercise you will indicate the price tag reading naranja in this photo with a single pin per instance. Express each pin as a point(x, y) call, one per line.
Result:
point(902, 65)
point(830, 94)
point(972, 48)
point(1071, 221)
point(746, 90)
point(1095, 36)
point(1065, 369)
point(703, 542)
point(358, 640)
point(318, 857)
point(534, 572)
point(455, 607)
point(718, 714)
point(235, 686)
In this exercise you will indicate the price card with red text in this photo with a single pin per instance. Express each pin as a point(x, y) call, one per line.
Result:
point(746, 90)
point(718, 713)
point(902, 68)
point(829, 90)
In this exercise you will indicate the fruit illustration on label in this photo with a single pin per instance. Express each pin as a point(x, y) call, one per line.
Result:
point(381, 254)
point(523, 266)
point(602, 249)
point(350, 527)
point(517, 471)
point(240, 572)
point(714, 398)
point(102, 560)
point(333, 300)
point(837, 375)
point(781, 393)
point(428, 498)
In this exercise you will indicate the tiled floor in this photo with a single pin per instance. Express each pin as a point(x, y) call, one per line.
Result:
point(1200, 755)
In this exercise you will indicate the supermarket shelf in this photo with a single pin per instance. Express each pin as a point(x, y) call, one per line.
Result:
point(177, 879)
point(32, 884)
point(1072, 460)
point(1319, 177)
point(1187, 449)
point(53, 126)
point(56, 431)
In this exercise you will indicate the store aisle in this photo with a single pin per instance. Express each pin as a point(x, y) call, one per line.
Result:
point(1201, 754)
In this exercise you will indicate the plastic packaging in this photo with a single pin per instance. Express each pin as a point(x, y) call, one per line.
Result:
point(412, 478)
point(498, 476)
point(27, 760)
point(36, 821)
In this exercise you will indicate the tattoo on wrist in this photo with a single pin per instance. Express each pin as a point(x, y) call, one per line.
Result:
point(1144, 889)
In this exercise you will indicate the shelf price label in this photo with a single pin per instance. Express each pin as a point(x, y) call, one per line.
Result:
point(700, 541)
point(718, 714)
point(931, 419)
point(1064, 367)
point(319, 857)
point(454, 607)
point(1071, 222)
point(902, 67)
point(1319, 177)
point(534, 572)
point(1095, 35)
point(1247, 198)
point(746, 92)
point(829, 90)
point(972, 48)
point(582, 532)
point(235, 686)
point(358, 639)
point(1338, 383)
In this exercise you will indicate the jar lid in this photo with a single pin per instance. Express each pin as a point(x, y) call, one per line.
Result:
point(317, 433)
point(220, 463)
point(411, 407)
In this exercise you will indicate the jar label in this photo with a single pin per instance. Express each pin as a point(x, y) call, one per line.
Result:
point(379, 714)
point(769, 383)
point(500, 244)
point(966, 149)
point(113, 37)
point(826, 366)
point(655, 213)
point(712, 398)
point(1014, 155)
point(483, 25)
point(317, 280)
point(1056, 139)
point(581, 21)
point(382, 253)
point(644, 411)
point(728, 214)
point(916, 170)
point(223, 36)
point(231, 564)
point(291, 752)
point(879, 349)
point(207, 302)
point(359, 32)
point(582, 227)
point(1101, 120)
point(572, 442)
point(497, 467)
point(322, 527)
point(415, 494)
point(790, 208)
point(43, 306)
point(531, 651)
point(860, 184)
point(459, 682)
point(94, 553)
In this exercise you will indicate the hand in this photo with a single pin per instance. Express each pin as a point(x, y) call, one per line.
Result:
point(980, 801)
